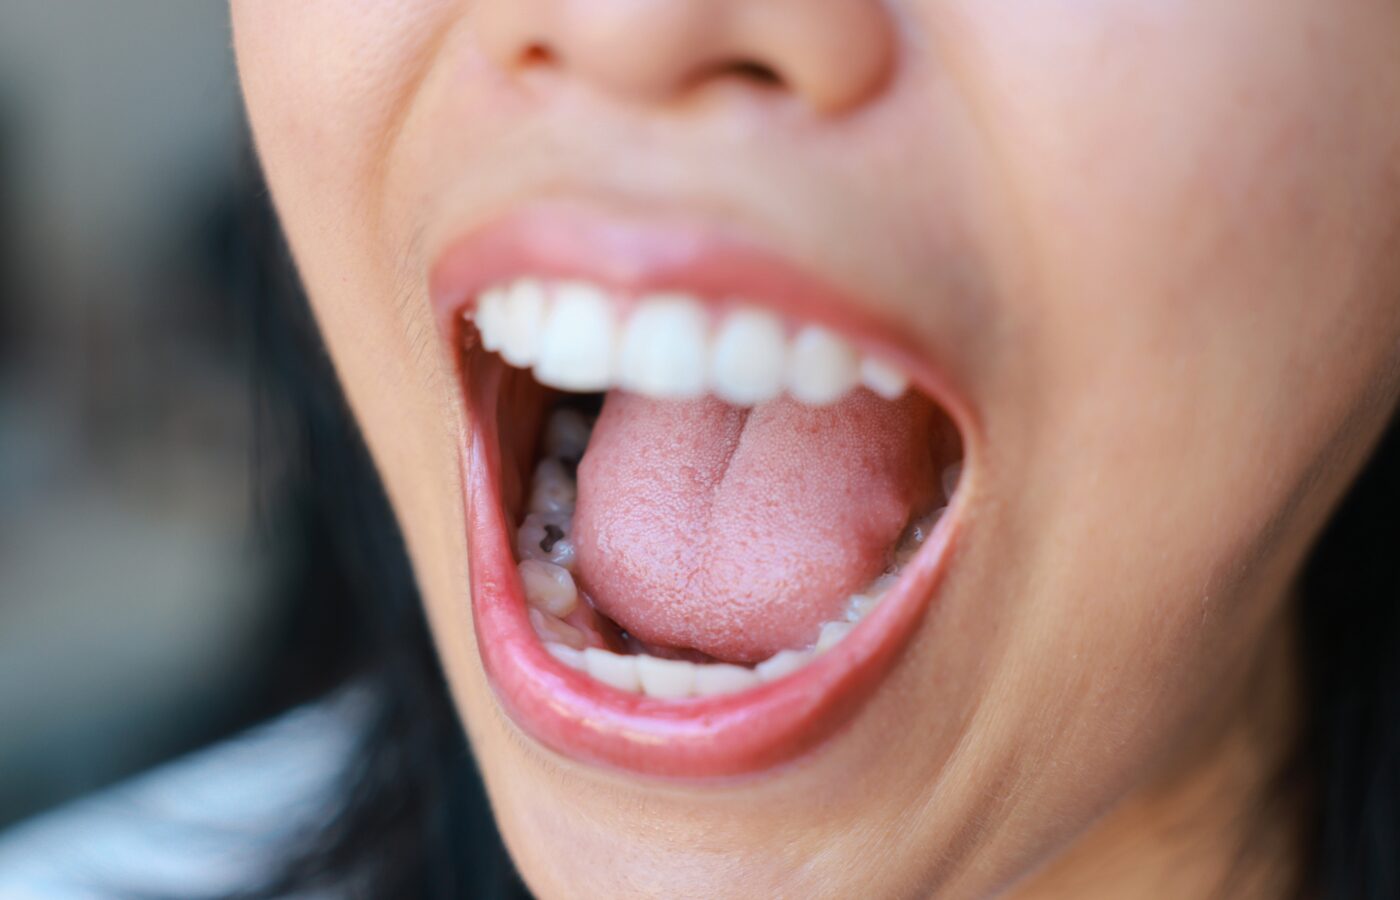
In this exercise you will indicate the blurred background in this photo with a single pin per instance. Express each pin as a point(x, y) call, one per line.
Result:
point(142, 610)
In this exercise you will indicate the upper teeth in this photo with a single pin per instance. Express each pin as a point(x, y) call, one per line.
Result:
point(669, 347)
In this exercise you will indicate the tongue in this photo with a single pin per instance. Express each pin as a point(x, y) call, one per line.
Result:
point(739, 532)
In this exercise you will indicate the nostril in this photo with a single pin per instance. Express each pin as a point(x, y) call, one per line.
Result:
point(537, 56)
point(743, 71)
point(756, 73)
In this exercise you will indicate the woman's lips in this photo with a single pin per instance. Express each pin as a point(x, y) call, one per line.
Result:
point(566, 709)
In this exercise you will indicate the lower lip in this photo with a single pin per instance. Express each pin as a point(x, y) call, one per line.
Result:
point(713, 737)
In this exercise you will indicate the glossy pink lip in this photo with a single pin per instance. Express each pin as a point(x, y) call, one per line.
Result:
point(564, 709)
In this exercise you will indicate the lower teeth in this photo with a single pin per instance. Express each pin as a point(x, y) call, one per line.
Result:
point(567, 626)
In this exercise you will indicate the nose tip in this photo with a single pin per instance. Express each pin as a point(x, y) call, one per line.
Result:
point(830, 54)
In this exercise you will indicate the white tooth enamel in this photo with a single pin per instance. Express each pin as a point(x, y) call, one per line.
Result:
point(859, 606)
point(917, 535)
point(882, 585)
point(566, 655)
point(538, 532)
point(553, 629)
point(566, 434)
point(577, 343)
point(522, 317)
point(664, 344)
point(781, 664)
point(723, 678)
point(822, 367)
point(883, 378)
point(749, 358)
point(549, 587)
point(929, 522)
point(832, 633)
point(611, 669)
point(951, 476)
point(554, 490)
point(667, 679)
point(490, 318)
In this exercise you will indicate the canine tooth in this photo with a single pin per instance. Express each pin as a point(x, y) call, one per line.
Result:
point(546, 536)
point(822, 367)
point(749, 358)
point(723, 678)
point(566, 655)
point(831, 635)
point(666, 679)
point(551, 629)
point(782, 663)
point(883, 378)
point(611, 669)
point(549, 587)
point(663, 348)
point(523, 315)
point(566, 434)
point(576, 346)
point(490, 318)
point(951, 476)
point(554, 490)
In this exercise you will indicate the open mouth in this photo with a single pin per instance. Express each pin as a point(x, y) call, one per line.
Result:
point(707, 504)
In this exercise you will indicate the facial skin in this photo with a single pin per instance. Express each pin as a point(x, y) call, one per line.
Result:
point(1156, 246)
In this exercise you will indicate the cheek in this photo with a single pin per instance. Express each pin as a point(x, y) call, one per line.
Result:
point(1213, 278)
point(326, 84)
point(1210, 306)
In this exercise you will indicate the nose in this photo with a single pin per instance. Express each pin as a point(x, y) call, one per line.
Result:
point(831, 54)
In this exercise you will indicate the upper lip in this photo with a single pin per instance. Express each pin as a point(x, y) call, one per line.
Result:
point(564, 709)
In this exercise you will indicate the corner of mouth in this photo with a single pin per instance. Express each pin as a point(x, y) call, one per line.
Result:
point(599, 688)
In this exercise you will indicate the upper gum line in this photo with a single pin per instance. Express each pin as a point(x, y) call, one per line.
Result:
point(578, 336)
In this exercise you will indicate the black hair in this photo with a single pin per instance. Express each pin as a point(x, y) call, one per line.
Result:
point(412, 820)
point(1349, 629)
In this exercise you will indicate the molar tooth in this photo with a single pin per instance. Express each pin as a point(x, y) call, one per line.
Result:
point(554, 489)
point(822, 368)
point(723, 678)
point(522, 321)
point(666, 679)
point(566, 655)
point(551, 629)
point(859, 606)
point(782, 663)
point(549, 587)
point(664, 344)
point(831, 635)
point(882, 586)
point(951, 476)
point(618, 671)
point(883, 378)
point(916, 535)
point(749, 358)
point(546, 530)
point(490, 317)
point(576, 346)
point(566, 434)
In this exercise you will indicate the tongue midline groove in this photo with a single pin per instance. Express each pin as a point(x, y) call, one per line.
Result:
point(579, 636)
